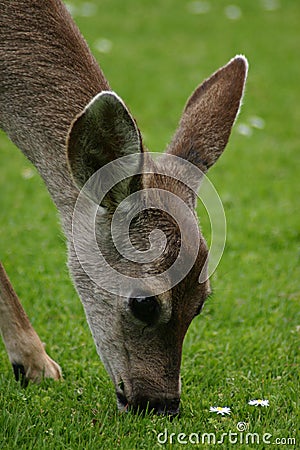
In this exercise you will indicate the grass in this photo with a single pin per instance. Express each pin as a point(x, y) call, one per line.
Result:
point(245, 345)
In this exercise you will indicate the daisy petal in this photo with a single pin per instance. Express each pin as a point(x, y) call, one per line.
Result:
point(259, 402)
point(220, 410)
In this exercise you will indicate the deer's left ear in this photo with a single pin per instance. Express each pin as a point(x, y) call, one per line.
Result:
point(209, 114)
point(102, 133)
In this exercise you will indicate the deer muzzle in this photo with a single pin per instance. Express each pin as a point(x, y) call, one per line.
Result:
point(142, 404)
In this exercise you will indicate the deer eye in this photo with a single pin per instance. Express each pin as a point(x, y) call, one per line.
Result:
point(146, 309)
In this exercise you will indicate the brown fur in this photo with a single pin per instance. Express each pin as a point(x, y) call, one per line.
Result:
point(48, 78)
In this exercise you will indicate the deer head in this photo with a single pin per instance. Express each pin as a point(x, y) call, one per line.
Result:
point(126, 235)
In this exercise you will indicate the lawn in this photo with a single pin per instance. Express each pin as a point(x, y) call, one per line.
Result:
point(245, 344)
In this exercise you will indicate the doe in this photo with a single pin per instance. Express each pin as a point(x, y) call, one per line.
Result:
point(59, 109)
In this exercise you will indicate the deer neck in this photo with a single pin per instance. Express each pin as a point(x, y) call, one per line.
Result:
point(48, 77)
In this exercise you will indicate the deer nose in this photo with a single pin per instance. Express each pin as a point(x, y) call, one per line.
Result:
point(166, 406)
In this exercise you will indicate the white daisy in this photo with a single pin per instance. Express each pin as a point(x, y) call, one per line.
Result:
point(220, 410)
point(259, 402)
point(103, 45)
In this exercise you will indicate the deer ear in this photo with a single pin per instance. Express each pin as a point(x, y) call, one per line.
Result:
point(102, 133)
point(209, 114)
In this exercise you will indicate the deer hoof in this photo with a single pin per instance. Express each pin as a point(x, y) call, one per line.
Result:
point(36, 371)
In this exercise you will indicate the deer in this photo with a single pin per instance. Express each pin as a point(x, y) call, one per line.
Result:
point(58, 108)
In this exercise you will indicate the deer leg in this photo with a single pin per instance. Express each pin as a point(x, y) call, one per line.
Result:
point(25, 350)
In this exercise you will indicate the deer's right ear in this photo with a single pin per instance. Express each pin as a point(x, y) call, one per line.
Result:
point(102, 133)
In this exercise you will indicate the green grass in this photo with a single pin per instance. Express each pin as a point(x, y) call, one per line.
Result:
point(245, 345)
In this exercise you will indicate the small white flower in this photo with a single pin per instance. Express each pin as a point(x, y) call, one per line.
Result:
point(199, 7)
point(220, 410)
point(259, 402)
point(233, 12)
point(103, 45)
point(88, 9)
point(71, 8)
point(257, 122)
point(244, 129)
point(270, 5)
point(27, 173)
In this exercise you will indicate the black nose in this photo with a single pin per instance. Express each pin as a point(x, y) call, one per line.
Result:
point(166, 407)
